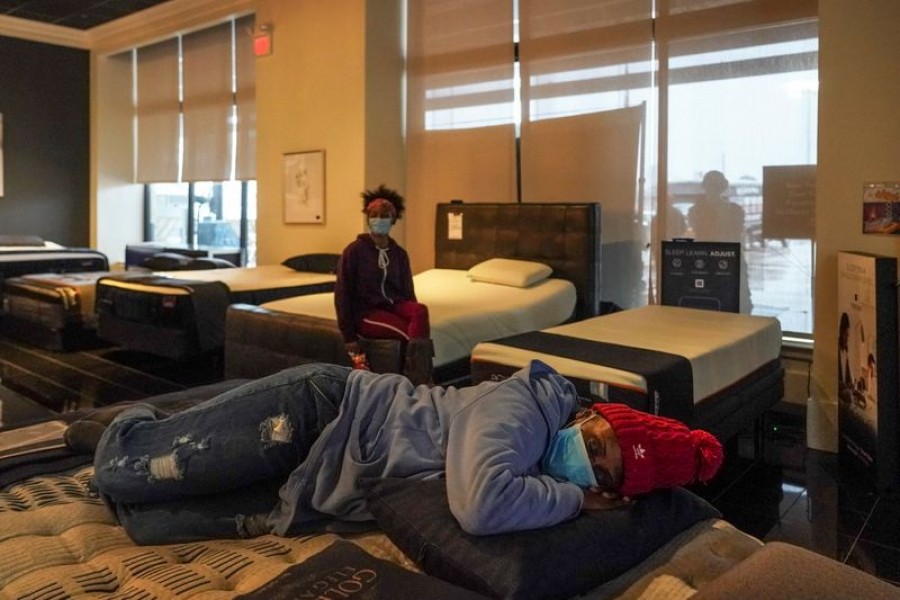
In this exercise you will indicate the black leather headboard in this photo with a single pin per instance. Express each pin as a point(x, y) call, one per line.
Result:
point(564, 236)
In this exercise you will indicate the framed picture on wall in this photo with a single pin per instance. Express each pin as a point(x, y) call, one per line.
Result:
point(304, 187)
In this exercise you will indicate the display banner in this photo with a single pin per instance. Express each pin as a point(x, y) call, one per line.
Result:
point(867, 368)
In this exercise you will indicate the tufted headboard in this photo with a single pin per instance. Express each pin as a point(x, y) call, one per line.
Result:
point(564, 236)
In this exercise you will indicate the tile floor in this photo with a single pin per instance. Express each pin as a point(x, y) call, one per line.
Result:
point(803, 497)
point(791, 493)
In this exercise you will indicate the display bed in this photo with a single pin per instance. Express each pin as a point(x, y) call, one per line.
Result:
point(52, 310)
point(181, 314)
point(713, 370)
point(59, 540)
point(261, 340)
point(565, 237)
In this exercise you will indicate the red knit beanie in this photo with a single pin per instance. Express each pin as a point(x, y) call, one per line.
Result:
point(658, 452)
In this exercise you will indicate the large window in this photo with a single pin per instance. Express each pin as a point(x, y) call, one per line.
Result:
point(743, 104)
point(215, 216)
point(195, 138)
point(631, 103)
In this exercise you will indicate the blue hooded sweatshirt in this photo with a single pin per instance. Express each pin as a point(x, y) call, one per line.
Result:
point(486, 440)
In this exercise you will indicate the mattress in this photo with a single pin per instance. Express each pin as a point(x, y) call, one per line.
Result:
point(19, 243)
point(246, 284)
point(713, 370)
point(16, 260)
point(721, 347)
point(465, 312)
point(55, 300)
point(59, 540)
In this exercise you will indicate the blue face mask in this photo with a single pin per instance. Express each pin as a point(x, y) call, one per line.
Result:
point(380, 226)
point(567, 459)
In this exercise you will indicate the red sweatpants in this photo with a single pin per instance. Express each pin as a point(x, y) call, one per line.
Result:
point(402, 321)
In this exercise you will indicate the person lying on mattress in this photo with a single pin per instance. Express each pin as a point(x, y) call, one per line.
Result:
point(293, 452)
point(374, 296)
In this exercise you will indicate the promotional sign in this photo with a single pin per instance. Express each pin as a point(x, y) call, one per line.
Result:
point(701, 275)
point(789, 202)
point(867, 367)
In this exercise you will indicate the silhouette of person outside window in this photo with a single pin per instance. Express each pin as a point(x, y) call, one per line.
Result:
point(715, 218)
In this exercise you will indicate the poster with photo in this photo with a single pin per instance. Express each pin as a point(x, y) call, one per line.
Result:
point(881, 208)
point(867, 367)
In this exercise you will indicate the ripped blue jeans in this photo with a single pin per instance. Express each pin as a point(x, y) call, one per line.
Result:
point(214, 470)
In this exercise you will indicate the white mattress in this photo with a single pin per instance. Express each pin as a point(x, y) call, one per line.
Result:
point(464, 312)
point(19, 254)
point(46, 246)
point(722, 347)
point(243, 279)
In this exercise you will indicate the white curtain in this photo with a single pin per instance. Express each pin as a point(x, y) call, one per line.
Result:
point(460, 125)
point(586, 81)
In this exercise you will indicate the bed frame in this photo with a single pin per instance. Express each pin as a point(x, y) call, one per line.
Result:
point(565, 236)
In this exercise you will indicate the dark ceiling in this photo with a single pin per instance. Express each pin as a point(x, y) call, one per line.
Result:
point(78, 14)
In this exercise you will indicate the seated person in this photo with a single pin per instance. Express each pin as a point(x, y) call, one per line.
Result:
point(374, 295)
point(293, 452)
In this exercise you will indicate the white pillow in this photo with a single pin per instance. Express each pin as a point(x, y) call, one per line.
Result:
point(506, 271)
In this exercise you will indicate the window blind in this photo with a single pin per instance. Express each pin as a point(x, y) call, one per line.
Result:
point(245, 99)
point(196, 106)
point(208, 104)
point(158, 113)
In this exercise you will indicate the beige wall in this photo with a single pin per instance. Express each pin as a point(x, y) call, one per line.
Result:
point(318, 91)
point(859, 128)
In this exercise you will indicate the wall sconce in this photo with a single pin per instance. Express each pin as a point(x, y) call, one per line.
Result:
point(262, 41)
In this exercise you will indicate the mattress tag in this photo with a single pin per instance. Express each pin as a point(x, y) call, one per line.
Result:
point(454, 226)
point(600, 390)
